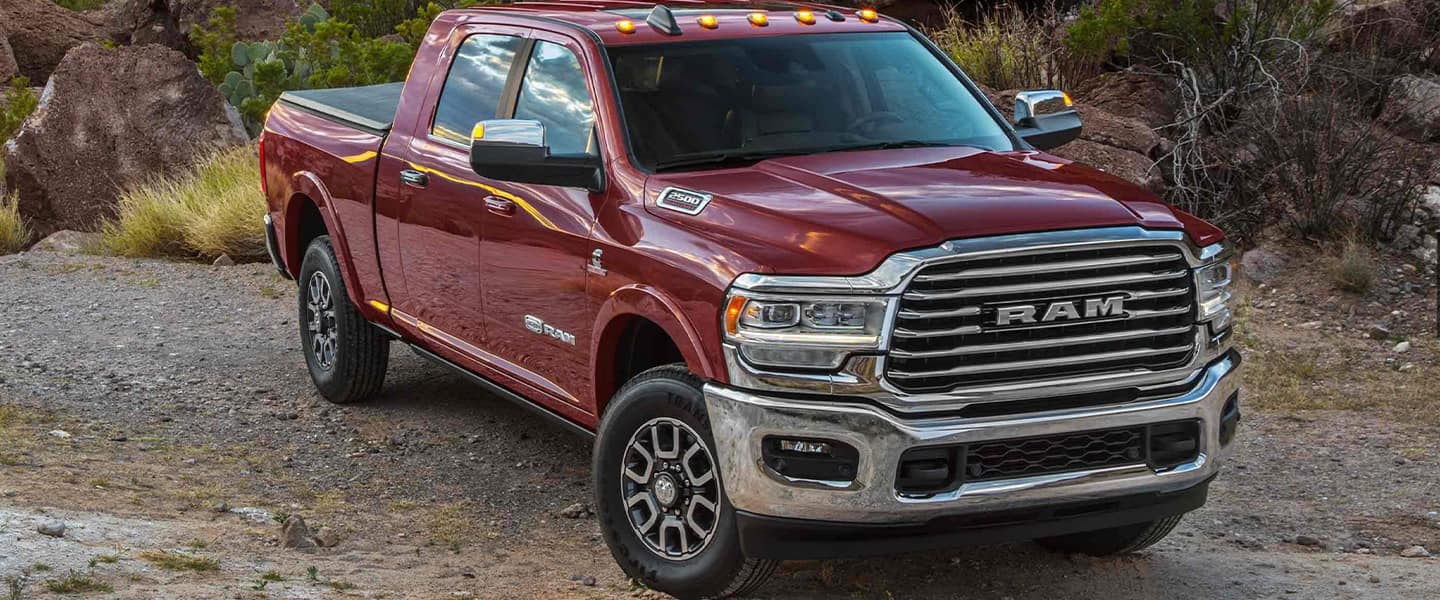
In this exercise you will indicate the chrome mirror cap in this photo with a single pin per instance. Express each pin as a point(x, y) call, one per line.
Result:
point(511, 132)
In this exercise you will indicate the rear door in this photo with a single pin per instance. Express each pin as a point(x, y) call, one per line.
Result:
point(537, 237)
point(441, 201)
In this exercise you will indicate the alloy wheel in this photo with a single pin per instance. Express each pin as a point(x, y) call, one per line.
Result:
point(670, 489)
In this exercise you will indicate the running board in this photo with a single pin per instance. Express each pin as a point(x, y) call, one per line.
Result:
point(503, 392)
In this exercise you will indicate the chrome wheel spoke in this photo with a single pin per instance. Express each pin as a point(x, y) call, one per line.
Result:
point(670, 488)
point(701, 479)
point(699, 502)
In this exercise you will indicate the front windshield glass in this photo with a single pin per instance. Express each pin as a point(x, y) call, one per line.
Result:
point(694, 105)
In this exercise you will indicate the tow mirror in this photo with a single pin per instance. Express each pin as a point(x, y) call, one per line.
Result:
point(515, 150)
point(1046, 119)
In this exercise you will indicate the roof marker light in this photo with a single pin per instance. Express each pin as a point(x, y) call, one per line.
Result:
point(758, 19)
point(625, 26)
point(805, 17)
point(708, 21)
point(869, 15)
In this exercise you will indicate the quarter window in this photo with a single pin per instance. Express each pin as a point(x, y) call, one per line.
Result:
point(554, 94)
point(473, 88)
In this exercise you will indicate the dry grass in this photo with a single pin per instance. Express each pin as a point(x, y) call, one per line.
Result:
point(1010, 49)
point(1290, 380)
point(14, 230)
point(175, 561)
point(216, 209)
point(77, 583)
point(1354, 269)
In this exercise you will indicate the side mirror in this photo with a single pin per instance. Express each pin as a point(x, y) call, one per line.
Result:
point(515, 150)
point(1046, 119)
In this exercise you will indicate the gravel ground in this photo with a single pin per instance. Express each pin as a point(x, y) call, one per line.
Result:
point(155, 406)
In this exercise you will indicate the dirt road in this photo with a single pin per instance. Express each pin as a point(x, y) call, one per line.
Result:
point(161, 411)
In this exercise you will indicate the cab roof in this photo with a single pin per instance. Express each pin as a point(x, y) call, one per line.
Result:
point(732, 18)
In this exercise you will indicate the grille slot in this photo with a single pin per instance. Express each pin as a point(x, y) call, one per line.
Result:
point(947, 333)
point(1036, 456)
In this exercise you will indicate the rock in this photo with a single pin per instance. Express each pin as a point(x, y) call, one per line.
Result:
point(221, 508)
point(170, 22)
point(295, 534)
point(1402, 347)
point(1415, 552)
point(1308, 540)
point(40, 32)
point(327, 538)
point(1379, 332)
point(578, 510)
point(67, 241)
point(1312, 325)
point(1413, 108)
point(224, 260)
point(54, 529)
point(8, 67)
point(1262, 265)
point(60, 433)
point(1146, 97)
point(127, 115)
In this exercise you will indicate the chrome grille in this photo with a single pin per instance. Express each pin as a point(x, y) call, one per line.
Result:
point(946, 334)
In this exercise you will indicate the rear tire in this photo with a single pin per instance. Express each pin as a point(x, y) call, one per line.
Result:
point(654, 440)
point(346, 355)
point(1114, 541)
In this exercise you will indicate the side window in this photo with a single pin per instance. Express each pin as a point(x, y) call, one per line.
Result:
point(473, 88)
point(554, 94)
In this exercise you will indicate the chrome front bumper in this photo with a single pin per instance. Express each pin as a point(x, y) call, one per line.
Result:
point(740, 420)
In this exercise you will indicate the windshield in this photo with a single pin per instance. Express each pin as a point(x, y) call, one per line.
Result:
point(698, 104)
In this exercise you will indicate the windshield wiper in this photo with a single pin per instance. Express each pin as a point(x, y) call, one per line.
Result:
point(894, 145)
point(721, 158)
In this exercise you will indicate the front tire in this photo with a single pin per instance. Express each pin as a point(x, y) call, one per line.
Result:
point(658, 493)
point(1115, 541)
point(346, 355)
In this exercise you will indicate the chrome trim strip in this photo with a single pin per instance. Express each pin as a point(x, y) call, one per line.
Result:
point(1043, 343)
point(1067, 285)
point(1055, 267)
point(1063, 361)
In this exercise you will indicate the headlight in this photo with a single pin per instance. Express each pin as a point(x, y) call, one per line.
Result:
point(803, 332)
point(1215, 292)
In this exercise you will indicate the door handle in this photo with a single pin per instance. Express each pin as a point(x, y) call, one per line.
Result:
point(499, 206)
point(414, 178)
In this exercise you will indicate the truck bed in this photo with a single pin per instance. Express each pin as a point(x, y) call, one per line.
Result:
point(370, 107)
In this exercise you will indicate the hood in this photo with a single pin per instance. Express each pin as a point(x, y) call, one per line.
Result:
point(842, 213)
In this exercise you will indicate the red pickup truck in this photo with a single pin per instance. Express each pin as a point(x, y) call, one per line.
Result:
point(813, 296)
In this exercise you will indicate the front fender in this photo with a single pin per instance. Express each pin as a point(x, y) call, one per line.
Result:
point(654, 305)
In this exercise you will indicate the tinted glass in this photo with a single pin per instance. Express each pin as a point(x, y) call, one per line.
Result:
point(793, 95)
point(554, 94)
point(473, 87)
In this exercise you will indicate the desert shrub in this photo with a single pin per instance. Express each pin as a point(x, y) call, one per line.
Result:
point(1354, 269)
point(19, 101)
point(14, 231)
point(1007, 48)
point(81, 5)
point(215, 209)
point(214, 39)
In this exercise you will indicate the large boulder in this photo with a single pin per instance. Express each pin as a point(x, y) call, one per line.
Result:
point(170, 22)
point(1413, 108)
point(41, 32)
point(1148, 97)
point(111, 118)
point(8, 67)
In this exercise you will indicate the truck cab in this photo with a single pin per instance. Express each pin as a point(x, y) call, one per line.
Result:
point(811, 293)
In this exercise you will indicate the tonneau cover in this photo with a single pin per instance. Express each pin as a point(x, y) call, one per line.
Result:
point(370, 107)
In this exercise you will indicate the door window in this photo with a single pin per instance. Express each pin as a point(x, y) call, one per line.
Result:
point(554, 94)
point(473, 88)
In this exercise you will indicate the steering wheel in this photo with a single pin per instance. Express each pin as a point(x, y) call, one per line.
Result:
point(864, 125)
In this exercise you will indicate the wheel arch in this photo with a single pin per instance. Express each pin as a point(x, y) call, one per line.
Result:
point(308, 215)
point(633, 323)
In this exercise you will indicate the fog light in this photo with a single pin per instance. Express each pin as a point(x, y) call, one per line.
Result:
point(826, 461)
point(805, 447)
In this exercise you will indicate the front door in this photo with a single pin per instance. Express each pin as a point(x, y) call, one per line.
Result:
point(442, 201)
point(537, 237)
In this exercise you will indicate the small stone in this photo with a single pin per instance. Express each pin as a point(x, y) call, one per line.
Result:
point(1312, 325)
point(120, 438)
point(224, 260)
point(52, 528)
point(585, 580)
point(578, 510)
point(221, 508)
point(1415, 552)
point(1374, 579)
point(295, 534)
point(1308, 540)
point(1379, 332)
point(327, 538)
point(1402, 347)
point(60, 433)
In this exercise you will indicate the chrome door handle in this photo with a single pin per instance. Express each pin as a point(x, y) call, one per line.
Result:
point(414, 178)
point(499, 206)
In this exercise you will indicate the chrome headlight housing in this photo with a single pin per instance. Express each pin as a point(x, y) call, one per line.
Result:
point(1214, 288)
point(804, 331)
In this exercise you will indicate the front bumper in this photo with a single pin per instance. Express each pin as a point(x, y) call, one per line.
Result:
point(741, 420)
